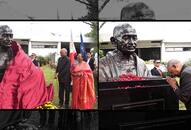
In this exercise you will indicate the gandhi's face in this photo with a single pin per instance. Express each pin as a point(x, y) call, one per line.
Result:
point(128, 44)
point(5, 39)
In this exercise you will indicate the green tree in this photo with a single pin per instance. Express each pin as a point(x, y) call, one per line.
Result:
point(94, 29)
point(94, 32)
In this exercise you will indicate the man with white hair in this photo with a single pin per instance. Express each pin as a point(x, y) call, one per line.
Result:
point(183, 91)
point(63, 74)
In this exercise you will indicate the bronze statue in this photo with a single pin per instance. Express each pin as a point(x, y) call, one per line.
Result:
point(123, 60)
point(6, 52)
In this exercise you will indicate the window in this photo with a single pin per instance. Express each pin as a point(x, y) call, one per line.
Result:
point(173, 49)
point(44, 45)
point(187, 49)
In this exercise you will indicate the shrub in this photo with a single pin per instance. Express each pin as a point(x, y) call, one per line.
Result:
point(101, 54)
point(41, 60)
point(188, 62)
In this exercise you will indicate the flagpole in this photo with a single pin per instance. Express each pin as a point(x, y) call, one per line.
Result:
point(72, 49)
point(82, 48)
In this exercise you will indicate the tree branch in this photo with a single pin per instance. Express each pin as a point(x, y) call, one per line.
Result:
point(83, 2)
point(103, 5)
point(89, 23)
point(101, 25)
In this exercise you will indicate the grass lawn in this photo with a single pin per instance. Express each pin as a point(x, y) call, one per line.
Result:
point(49, 77)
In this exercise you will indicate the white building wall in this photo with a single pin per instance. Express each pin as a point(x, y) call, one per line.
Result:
point(58, 52)
point(43, 51)
point(182, 56)
point(29, 48)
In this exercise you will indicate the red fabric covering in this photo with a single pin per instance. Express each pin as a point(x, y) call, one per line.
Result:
point(83, 94)
point(23, 85)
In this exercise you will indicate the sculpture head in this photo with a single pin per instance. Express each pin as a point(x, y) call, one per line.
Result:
point(6, 35)
point(125, 37)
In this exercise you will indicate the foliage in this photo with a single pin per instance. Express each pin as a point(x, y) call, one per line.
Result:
point(44, 60)
point(94, 29)
point(188, 62)
point(101, 53)
point(41, 60)
point(93, 33)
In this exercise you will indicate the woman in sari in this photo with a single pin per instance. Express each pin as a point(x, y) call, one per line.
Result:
point(83, 94)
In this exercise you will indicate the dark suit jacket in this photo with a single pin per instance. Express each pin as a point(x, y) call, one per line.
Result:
point(35, 62)
point(63, 69)
point(155, 72)
point(184, 90)
point(91, 64)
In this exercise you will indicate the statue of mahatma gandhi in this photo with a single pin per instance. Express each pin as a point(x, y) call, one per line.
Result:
point(6, 53)
point(123, 60)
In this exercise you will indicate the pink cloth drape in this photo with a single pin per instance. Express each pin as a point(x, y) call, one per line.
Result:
point(23, 85)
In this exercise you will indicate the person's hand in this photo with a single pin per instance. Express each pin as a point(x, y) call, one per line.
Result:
point(172, 82)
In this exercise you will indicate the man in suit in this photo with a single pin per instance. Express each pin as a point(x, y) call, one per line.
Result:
point(183, 90)
point(34, 60)
point(90, 61)
point(156, 70)
point(64, 78)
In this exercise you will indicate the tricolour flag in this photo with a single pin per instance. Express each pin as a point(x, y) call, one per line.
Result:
point(72, 50)
point(82, 48)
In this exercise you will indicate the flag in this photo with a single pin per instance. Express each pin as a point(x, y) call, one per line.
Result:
point(72, 50)
point(82, 48)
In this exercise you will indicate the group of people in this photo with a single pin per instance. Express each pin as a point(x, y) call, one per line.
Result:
point(124, 60)
point(23, 86)
point(78, 77)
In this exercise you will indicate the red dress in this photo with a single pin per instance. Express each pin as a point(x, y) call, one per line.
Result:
point(83, 93)
point(23, 85)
